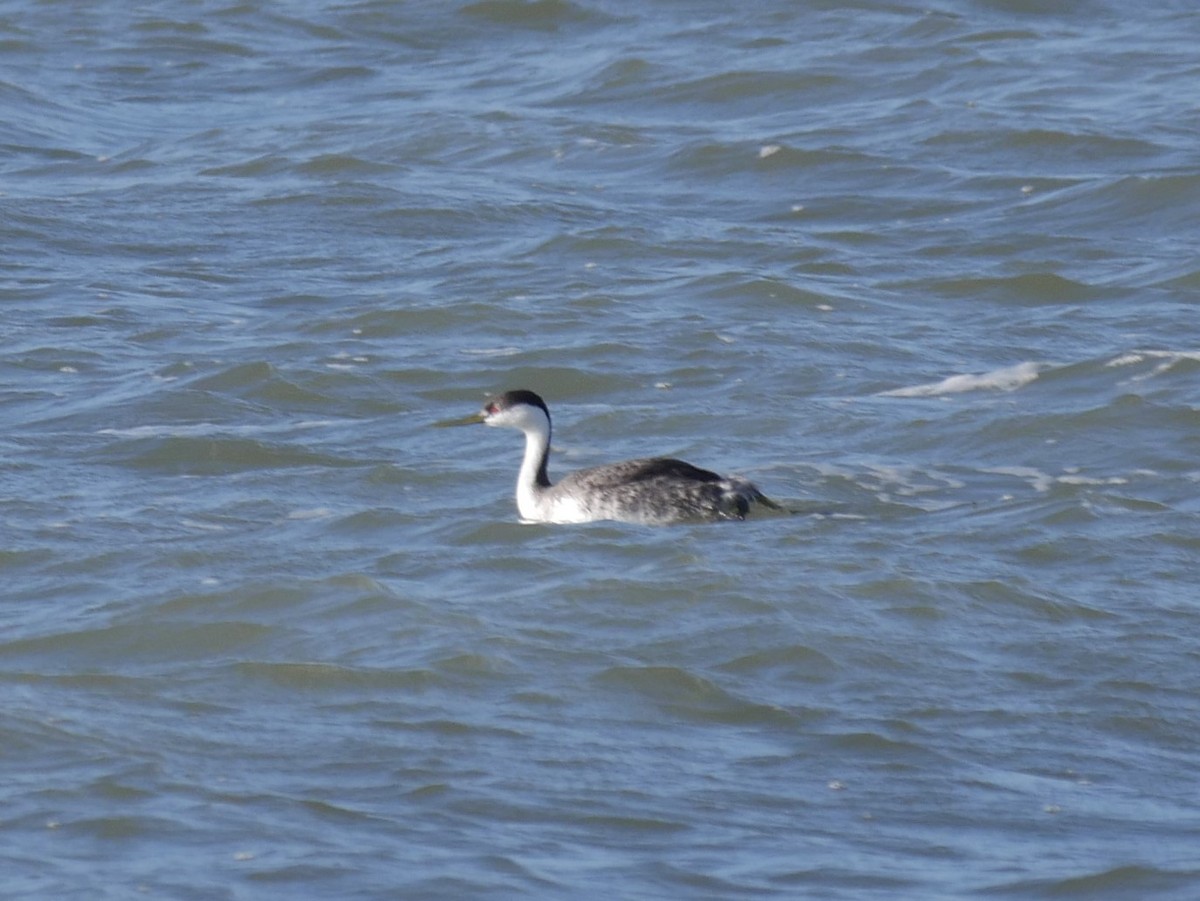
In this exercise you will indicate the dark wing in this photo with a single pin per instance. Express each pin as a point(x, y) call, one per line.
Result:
point(634, 471)
point(659, 467)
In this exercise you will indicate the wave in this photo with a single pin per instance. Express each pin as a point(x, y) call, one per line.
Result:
point(1008, 378)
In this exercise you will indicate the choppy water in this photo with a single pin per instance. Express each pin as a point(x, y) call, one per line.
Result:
point(925, 272)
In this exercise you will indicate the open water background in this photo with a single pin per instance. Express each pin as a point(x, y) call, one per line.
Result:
point(927, 272)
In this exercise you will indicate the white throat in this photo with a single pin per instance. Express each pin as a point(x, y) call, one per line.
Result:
point(529, 492)
point(532, 482)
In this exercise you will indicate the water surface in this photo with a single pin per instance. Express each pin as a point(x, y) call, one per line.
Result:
point(926, 273)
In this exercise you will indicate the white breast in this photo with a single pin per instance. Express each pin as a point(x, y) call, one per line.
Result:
point(552, 507)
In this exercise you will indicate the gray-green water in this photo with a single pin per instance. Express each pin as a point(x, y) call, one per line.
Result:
point(925, 272)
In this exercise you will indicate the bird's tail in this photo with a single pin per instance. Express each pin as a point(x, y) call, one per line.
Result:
point(759, 498)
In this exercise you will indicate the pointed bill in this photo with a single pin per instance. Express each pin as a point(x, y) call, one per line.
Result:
point(473, 419)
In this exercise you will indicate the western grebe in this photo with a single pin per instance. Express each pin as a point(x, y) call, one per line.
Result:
point(653, 491)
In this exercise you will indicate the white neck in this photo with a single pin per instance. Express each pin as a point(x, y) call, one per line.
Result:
point(537, 445)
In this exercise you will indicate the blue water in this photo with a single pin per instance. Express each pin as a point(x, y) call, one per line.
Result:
point(926, 273)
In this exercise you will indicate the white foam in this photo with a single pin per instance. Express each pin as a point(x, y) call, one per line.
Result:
point(165, 431)
point(491, 351)
point(1167, 360)
point(1087, 480)
point(911, 481)
point(1126, 360)
point(313, 513)
point(201, 526)
point(1038, 480)
point(1136, 356)
point(1043, 481)
point(1009, 378)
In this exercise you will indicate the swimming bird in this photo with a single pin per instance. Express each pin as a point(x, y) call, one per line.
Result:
point(653, 491)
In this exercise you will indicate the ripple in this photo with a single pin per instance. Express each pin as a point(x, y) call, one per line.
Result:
point(1103, 883)
point(691, 696)
point(214, 455)
point(928, 273)
point(1009, 378)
